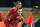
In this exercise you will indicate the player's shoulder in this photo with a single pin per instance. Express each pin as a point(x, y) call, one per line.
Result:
point(13, 8)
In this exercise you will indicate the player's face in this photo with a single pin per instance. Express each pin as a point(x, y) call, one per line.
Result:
point(19, 5)
point(19, 11)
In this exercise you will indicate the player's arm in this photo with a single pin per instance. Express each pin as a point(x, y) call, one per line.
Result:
point(11, 18)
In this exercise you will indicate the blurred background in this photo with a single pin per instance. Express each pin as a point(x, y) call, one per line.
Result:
point(25, 3)
point(28, 6)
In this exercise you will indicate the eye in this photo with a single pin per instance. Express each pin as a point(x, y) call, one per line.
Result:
point(19, 4)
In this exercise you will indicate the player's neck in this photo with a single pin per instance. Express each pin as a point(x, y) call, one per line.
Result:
point(16, 7)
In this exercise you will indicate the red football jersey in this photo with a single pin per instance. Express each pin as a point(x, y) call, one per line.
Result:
point(12, 11)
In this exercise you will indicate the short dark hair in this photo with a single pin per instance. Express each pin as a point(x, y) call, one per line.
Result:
point(16, 2)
